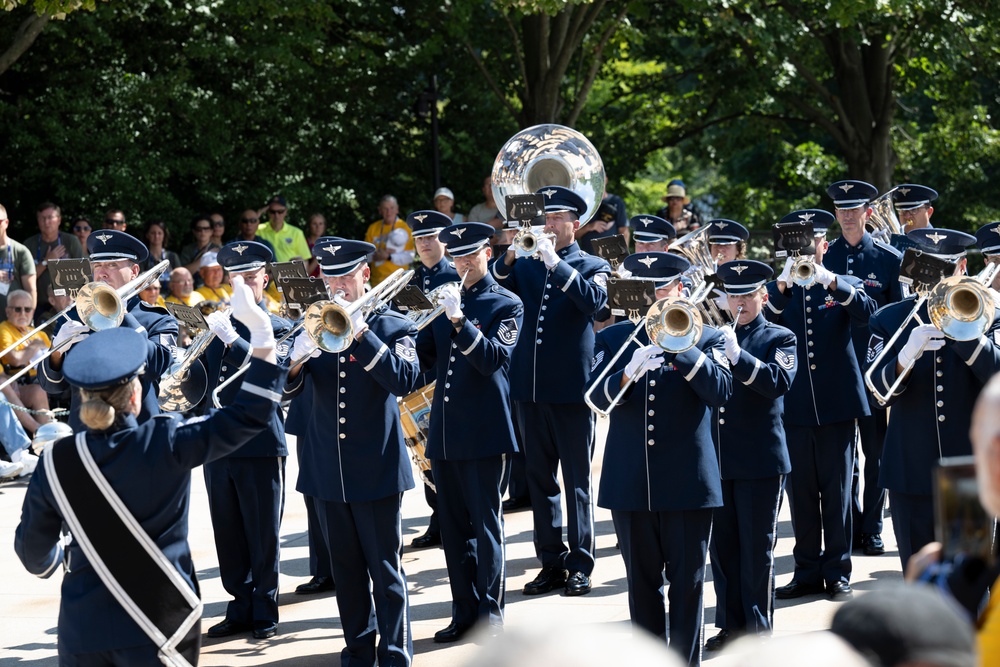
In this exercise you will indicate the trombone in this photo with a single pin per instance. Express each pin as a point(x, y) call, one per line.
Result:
point(962, 307)
point(99, 306)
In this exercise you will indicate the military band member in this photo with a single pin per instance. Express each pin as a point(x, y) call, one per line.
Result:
point(727, 240)
point(114, 259)
point(914, 210)
point(471, 432)
point(826, 398)
point(129, 591)
point(988, 240)
point(651, 233)
point(246, 489)
point(930, 410)
point(354, 461)
point(561, 290)
point(857, 253)
point(661, 474)
point(434, 270)
point(753, 457)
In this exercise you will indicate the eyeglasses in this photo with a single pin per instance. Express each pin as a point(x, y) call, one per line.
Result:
point(249, 221)
point(81, 229)
point(202, 229)
point(112, 221)
point(20, 309)
point(218, 223)
point(278, 211)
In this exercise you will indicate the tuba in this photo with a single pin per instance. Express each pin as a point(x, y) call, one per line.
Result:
point(883, 221)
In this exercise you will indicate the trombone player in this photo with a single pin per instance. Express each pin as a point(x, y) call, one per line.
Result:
point(114, 259)
point(661, 474)
point(931, 409)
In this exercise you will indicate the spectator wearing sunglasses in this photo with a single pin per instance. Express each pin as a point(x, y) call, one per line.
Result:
point(113, 219)
point(218, 228)
point(249, 224)
point(287, 240)
point(20, 311)
point(81, 230)
point(201, 229)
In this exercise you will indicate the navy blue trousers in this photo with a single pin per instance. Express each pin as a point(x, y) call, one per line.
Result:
point(365, 542)
point(517, 486)
point(819, 495)
point(867, 509)
point(675, 543)
point(319, 555)
point(134, 656)
point(554, 434)
point(912, 522)
point(744, 532)
point(246, 497)
point(431, 496)
point(472, 536)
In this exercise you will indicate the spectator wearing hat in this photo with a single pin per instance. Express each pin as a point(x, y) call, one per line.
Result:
point(17, 270)
point(48, 244)
point(753, 456)
point(444, 202)
point(651, 233)
point(914, 210)
point(114, 259)
point(660, 476)
point(182, 288)
point(609, 219)
point(392, 239)
point(246, 488)
point(827, 396)
point(212, 288)
point(131, 612)
point(550, 369)
point(988, 240)
point(678, 211)
point(932, 407)
point(353, 460)
point(858, 253)
point(481, 322)
point(287, 240)
point(190, 255)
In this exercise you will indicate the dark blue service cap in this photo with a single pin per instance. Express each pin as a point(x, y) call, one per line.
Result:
point(851, 194)
point(651, 228)
point(743, 276)
point(240, 256)
point(106, 359)
point(557, 198)
point(945, 243)
point(427, 223)
point(661, 267)
point(109, 245)
point(909, 196)
point(820, 219)
point(277, 199)
point(466, 238)
point(338, 257)
point(726, 232)
point(988, 238)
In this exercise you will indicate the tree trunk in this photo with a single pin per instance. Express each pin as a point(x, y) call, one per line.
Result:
point(25, 36)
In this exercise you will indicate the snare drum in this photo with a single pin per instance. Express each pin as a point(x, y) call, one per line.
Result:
point(415, 414)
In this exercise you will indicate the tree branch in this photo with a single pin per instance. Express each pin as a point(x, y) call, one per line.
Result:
point(489, 79)
point(26, 34)
point(595, 66)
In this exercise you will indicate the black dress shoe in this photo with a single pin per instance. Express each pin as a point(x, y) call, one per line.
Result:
point(550, 578)
point(796, 589)
point(264, 629)
point(873, 544)
point(719, 641)
point(452, 633)
point(577, 584)
point(426, 540)
point(515, 504)
point(839, 590)
point(316, 585)
point(227, 628)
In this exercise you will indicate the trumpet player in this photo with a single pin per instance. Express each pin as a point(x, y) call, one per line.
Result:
point(661, 474)
point(469, 351)
point(549, 370)
point(114, 259)
point(931, 409)
point(753, 457)
point(246, 488)
point(826, 398)
point(353, 460)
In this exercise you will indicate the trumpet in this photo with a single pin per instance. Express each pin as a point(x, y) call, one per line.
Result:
point(525, 242)
point(804, 271)
point(99, 306)
point(962, 307)
point(422, 318)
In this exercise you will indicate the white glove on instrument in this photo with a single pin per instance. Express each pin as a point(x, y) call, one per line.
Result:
point(247, 312)
point(733, 348)
point(923, 337)
point(304, 348)
point(220, 324)
point(823, 275)
point(623, 272)
point(451, 299)
point(786, 273)
point(547, 251)
point(646, 358)
point(882, 235)
point(70, 333)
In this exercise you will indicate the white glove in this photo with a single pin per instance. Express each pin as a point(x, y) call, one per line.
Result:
point(247, 312)
point(823, 275)
point(451, 299)
point(722, 302)
point(786, 273)
point(733, 348)
point(623, 272)
point(220, 324)
point(304, 348)
point(646, 358)
point(358, 323)
point(923, 337)
point(70, 333)
point(547, 251)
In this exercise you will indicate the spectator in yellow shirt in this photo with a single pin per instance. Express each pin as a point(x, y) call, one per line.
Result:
point(393, 241)
point(211, 275)
point(182, 288)
point(287, 240)
point(20, 312)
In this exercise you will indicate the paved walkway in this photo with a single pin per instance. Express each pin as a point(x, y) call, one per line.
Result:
point(310, 632)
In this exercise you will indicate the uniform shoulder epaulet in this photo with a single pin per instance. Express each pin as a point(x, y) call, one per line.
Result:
point(499, 289)
point(888, 248)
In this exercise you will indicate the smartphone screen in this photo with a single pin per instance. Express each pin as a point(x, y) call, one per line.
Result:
point(962, 526)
